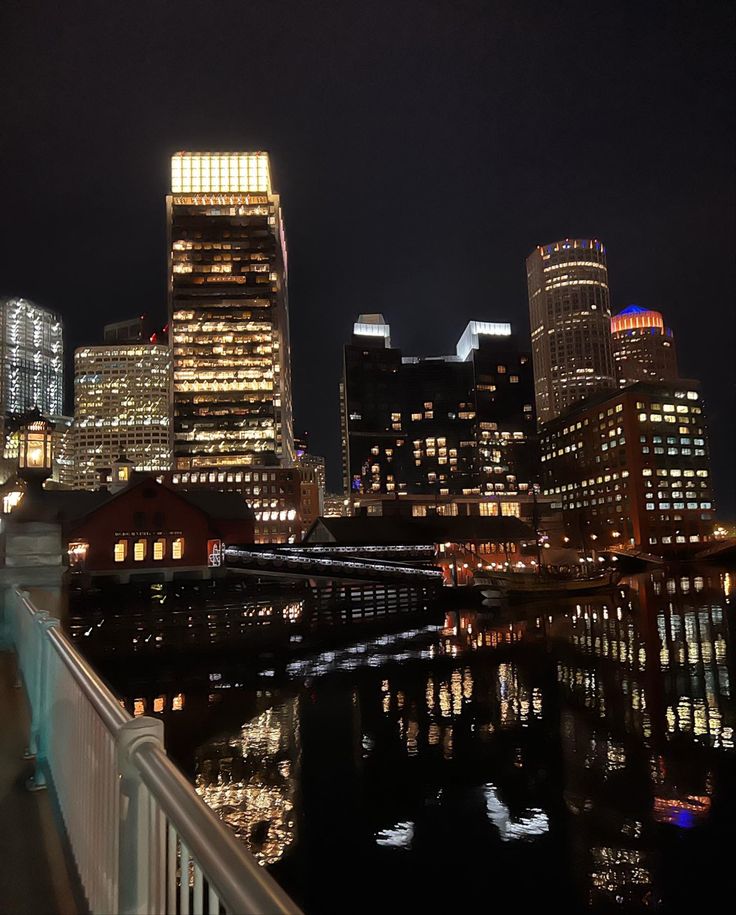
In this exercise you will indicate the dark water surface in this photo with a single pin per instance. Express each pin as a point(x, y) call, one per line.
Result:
point(575, 755)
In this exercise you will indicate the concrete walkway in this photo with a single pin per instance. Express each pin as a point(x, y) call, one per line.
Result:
point(35, 876)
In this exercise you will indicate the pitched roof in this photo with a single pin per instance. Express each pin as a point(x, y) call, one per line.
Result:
point(363, 530)
point(69, 505)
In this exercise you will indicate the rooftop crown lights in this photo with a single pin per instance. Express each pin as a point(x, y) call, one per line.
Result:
point(223, 172)
point(469, 340)
point(635, 317)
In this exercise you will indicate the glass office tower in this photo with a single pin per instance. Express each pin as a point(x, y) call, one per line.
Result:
point(570, 318)
point(229, 325)
point(31, 358)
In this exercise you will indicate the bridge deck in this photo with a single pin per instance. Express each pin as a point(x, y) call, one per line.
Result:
point(34, 876)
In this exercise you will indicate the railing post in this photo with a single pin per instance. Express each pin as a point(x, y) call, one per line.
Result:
point(141, 875)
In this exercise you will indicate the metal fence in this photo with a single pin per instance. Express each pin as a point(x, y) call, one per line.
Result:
point(142, 839)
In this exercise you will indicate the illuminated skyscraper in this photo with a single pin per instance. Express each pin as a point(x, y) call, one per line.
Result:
point(445, 425)
point(121, 407)
point(31, 358)
point(229, 324)
point(570, 319)
point(643, 348)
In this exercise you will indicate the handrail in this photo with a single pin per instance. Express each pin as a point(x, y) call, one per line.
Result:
point(102, 700)
point(113, 830)
point(211, 843)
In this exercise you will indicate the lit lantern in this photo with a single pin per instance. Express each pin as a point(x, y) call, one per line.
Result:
point(35, 446)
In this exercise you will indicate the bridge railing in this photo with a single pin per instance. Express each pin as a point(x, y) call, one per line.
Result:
point(142, 839)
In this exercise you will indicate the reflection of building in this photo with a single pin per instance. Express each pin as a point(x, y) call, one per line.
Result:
point(121, 407)
point(228, 313)
point(459, 424)
point(570, 315)
point(633, 467)
point(31, 358)
point(251, 780)
point(643, 348)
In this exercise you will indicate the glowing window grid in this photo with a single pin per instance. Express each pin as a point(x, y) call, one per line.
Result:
point(214, 173)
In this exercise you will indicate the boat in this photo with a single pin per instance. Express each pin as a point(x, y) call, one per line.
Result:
point(535, 584)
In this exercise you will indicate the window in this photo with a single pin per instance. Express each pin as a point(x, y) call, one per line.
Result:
point(419, 511)
point(177, 548)
point(488, 509)
point(159, 548)
point(511, 509)
point(121, 550)
point(139, 550)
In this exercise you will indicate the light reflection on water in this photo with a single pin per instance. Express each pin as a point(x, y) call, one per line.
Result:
point(580, 753)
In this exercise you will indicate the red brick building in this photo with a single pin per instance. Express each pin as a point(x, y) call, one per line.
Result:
point(633, 468)
point(147, 527)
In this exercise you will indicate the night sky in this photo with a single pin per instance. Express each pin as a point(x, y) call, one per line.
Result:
point(421, 148)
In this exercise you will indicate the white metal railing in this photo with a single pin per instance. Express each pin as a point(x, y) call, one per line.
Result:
point(142, 839)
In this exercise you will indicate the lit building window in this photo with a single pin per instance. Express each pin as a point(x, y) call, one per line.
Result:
point(121, 550)
point(488, 509)
point(159, 548)
point(511, 509)
point(139, 550)
point(177, 548)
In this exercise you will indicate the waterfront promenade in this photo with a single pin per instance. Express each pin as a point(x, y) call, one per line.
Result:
point(34, 876)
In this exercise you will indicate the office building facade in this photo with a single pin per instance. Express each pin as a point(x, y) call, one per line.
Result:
point(570, 319)
point(121, 408)
point(643, 347)
point(228, 311)
point(31, 358)
point(633, 468)
point(458, 424)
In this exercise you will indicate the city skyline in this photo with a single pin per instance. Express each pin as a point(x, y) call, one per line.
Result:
point(661, 203)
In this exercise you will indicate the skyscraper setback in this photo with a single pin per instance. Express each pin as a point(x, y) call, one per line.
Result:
point(228, 310)
point(570, 319)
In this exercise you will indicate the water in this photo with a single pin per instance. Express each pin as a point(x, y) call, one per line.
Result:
point(575, 754)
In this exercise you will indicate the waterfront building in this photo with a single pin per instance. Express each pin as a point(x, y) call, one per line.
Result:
point(643, 348)
point(31, 358)
point(140, 528)
point(569, 314)
point(228, 313)
point(632, 467)
point(273, 493)
point(441, 425)
point(121, 407)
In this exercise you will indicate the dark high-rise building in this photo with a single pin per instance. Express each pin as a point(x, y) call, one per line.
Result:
point(570, 319)
point(643, 348)
point(229, 324)
point(632, 467)
point(459, 424)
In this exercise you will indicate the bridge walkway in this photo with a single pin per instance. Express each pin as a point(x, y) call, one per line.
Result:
point(35, 878)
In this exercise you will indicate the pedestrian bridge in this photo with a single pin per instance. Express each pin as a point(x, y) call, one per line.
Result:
point(322, 563)
point(141, 839)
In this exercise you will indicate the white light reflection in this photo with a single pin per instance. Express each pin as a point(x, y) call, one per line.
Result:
point(399, 836)
point(531, 823)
